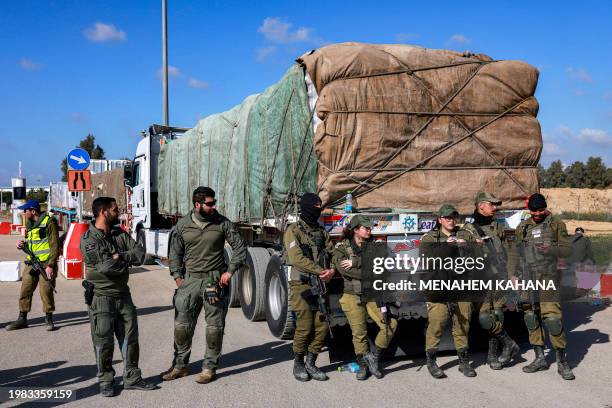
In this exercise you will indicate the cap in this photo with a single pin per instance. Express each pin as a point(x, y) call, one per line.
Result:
point(447, 210)
point(486, 196)
point(536, 202)
point(579, 229)
point(30, 205)
point(362, 220)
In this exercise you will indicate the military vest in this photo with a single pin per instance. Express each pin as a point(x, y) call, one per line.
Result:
point(38, 241)
point(316, 242)
point(493, 245)
point(351, 285)
point(534, 235)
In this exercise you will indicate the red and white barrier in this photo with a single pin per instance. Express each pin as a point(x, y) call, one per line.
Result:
point(5, 228)
point(10, 271)
point(71, 263)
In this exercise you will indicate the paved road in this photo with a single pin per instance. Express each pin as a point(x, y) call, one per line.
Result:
point(256, 367)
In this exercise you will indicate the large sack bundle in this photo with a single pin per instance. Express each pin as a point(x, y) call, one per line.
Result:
point(109, 184)
point(409, 127)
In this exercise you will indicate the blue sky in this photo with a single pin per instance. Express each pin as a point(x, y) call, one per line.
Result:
point(72, 67)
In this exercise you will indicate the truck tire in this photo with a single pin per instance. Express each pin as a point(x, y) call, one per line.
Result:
point(234, 300)
point(280, 317)
point(252, 284)
point(141, 239)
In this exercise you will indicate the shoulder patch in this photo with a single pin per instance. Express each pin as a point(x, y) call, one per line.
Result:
point(292, 244)
point(90, 247)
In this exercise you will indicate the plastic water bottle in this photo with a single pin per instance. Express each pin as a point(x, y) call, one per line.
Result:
point(350, 367)
point(348, 205)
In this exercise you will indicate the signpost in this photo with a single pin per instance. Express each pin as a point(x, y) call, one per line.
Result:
point(79, 178)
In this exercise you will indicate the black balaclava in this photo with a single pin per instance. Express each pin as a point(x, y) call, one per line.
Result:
point(308, 212)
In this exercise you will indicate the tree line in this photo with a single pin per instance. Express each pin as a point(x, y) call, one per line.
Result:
point(593, 174)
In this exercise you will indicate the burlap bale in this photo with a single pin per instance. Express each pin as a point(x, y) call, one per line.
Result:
point(409, 127)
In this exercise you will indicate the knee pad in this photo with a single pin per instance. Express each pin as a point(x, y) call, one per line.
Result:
point(554, 325)
point(499, 315)
point(531, 320)
point(214, 337)
point(181, 333)
point(487, 320)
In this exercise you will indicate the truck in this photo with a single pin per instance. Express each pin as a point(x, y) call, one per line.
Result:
point(388, 123)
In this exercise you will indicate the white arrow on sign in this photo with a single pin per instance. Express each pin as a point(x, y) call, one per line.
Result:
point(79, 159)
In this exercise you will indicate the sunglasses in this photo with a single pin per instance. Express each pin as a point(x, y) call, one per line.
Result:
point(209, 203)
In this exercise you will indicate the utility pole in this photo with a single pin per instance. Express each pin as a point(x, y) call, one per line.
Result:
point(165, 62)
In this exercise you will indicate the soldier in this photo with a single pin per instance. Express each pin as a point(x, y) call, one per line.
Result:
point(108, 253)
point(304, 241)
point(490, 234)
point(441, 242)
point(540, 241)
point(202, 276)
point(43, 241)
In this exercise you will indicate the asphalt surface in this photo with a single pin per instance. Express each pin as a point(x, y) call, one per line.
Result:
point(256, 367)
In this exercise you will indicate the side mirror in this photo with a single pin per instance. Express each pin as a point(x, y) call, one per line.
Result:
point(128, 175)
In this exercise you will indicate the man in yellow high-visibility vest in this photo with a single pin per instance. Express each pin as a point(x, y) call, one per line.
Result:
point(42, 239)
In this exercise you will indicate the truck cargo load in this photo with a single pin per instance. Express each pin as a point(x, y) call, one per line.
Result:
point(398, 125)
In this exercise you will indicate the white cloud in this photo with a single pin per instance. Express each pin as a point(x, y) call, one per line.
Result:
point(406, 37)
point(579, 74)
point(459, 39)
point(173, 72)
point(552, 149)
point(565, 130)
point(595, 136)
point(28, 64)
point(261, 54)
point(196, 83)
point(101, 32)
point(277, 30)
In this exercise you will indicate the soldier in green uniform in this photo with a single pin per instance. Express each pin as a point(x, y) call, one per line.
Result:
point(490, 236)
point(347, 260)
point(304, 241)
point(441, 242)
point(540, 241)
point(108, 253)
point(43, 241)
point(202, 276)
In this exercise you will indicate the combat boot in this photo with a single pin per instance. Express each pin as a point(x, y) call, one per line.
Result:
point(563, 367)
point(373, 361)
point(49, 322)
point(313, 371)
point(299, 370)
point(174, 373)
point(141, 385)
point(20, 323)
point(363, 373)
point(107, 389)
point(207, 375)
point(510, 348)
point(539, 363)
point(492, 359)
point(464, 363)
point(432, 366)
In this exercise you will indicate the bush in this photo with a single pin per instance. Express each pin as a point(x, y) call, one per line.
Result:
point(602, 249)
point(572, 215)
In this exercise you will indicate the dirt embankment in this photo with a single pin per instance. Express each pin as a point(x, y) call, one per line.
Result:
point(582, 201)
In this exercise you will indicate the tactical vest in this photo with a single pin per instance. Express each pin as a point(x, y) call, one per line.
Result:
point(493, 245)
point(38, 241)
point(315, 245)
point(351, 285)
point(535, 235)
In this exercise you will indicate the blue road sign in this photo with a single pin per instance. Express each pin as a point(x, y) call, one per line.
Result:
point(78, 159)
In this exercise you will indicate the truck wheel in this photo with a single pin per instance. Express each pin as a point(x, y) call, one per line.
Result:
point(252, 279)
point(280, 317)
point(234, 300)
point(148, 259)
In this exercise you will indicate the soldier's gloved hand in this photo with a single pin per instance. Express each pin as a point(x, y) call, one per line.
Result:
point(20, 244)
point(211, 294)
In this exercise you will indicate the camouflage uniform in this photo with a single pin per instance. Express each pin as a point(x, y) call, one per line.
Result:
point(112, 310)
point(300, 239)
point(196, 255)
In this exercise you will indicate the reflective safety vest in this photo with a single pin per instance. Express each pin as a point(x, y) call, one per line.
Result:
point(38, 241)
